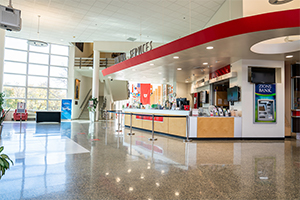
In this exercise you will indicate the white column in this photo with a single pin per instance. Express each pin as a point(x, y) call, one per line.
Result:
point(2, 41)
point(95, 88)
point(71, 79)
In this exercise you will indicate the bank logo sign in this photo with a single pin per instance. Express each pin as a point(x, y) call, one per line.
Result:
point(265, 103)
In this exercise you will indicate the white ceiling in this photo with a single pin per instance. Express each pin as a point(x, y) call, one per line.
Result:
point(65, 21)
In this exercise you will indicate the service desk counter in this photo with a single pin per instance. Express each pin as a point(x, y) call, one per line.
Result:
point(168, 125)
point(199, 127)
point(215, 127)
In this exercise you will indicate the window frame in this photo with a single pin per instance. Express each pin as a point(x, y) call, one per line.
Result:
point(48, 88)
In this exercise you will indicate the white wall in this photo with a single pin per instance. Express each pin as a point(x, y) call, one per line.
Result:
point(237, 81)
point(183, 91)
point(255, 7)
point(85, 86)
point(249, 129)
point(230, 9)
point(119, 89)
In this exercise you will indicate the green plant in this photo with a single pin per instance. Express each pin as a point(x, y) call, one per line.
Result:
point(4, 164)
point(92, 107)
point(2, 112)
point(2, 95)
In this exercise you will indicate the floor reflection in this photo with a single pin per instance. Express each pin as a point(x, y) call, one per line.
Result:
point(83, 160)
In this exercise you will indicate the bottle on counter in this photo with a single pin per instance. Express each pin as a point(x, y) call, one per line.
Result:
point(229, 113)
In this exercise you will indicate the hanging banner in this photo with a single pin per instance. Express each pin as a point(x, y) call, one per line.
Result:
point(265, 103)
point(66, 108)
point(145, 93)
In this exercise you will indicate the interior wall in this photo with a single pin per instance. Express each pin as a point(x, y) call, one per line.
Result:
point(230, 9)
point(105, 55)
point(85, 86)
point(256, 7)
point(249, 129)
point(183, 91)
point(288, 100)
point(237, 81)
point(87, 51)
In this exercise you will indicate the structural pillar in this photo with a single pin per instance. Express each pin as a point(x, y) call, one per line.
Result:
point(95, 88)
point(2, 45)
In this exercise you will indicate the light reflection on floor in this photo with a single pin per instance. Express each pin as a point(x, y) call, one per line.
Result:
point(83, 160)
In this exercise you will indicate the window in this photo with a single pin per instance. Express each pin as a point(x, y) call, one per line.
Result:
point(35, 75)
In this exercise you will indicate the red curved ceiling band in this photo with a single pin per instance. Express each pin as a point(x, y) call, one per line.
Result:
point(268, 21)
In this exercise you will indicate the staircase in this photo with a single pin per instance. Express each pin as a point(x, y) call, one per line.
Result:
point(85, 111)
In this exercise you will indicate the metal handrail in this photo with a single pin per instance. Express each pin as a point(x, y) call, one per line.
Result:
point(88, 62)
point(88, 94)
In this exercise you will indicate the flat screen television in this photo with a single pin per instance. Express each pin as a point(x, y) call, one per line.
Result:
point(233, 94)
point(262, 75)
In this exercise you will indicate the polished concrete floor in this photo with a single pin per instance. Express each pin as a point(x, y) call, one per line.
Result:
point(82, 160)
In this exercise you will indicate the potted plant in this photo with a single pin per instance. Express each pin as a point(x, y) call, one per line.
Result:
point(93, 102)
point(4, 162)
point(2, 112)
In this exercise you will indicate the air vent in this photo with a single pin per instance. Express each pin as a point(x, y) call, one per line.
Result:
point(131, 39)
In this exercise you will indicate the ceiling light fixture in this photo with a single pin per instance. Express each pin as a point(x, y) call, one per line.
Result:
point(159, 72)
point(38, 43)
point(205, 63)
point(175, 57)
point(289, 56)
point(278, 2)
point(210, 47)
point(179, 68)
point(151, 64)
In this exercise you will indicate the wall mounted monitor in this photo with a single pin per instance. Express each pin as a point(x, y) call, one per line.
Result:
point(233, 94)
point(262, 75)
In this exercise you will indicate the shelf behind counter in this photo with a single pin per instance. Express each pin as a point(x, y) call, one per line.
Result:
point(199, 127)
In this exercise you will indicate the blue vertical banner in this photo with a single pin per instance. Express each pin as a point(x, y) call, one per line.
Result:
point(66, 108)
point(265, 103)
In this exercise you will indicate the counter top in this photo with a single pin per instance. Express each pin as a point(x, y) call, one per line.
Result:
point(156, 111)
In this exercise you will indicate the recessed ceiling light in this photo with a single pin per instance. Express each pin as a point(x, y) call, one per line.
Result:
point(151, 64)
point(61, 39)
point(159, 72)
point(210, 47)
point(179, 68)
point(133, 70)
point(131, 188)
point(289, 56)
point(205, 63)
point(175, 57)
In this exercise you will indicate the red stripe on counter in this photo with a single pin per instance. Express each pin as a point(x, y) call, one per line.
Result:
point(268, 21)
point(295, 113)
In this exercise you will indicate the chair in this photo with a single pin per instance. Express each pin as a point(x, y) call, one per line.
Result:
point(17, 115)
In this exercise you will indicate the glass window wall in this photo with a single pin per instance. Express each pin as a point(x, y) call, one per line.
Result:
point(35, 75)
